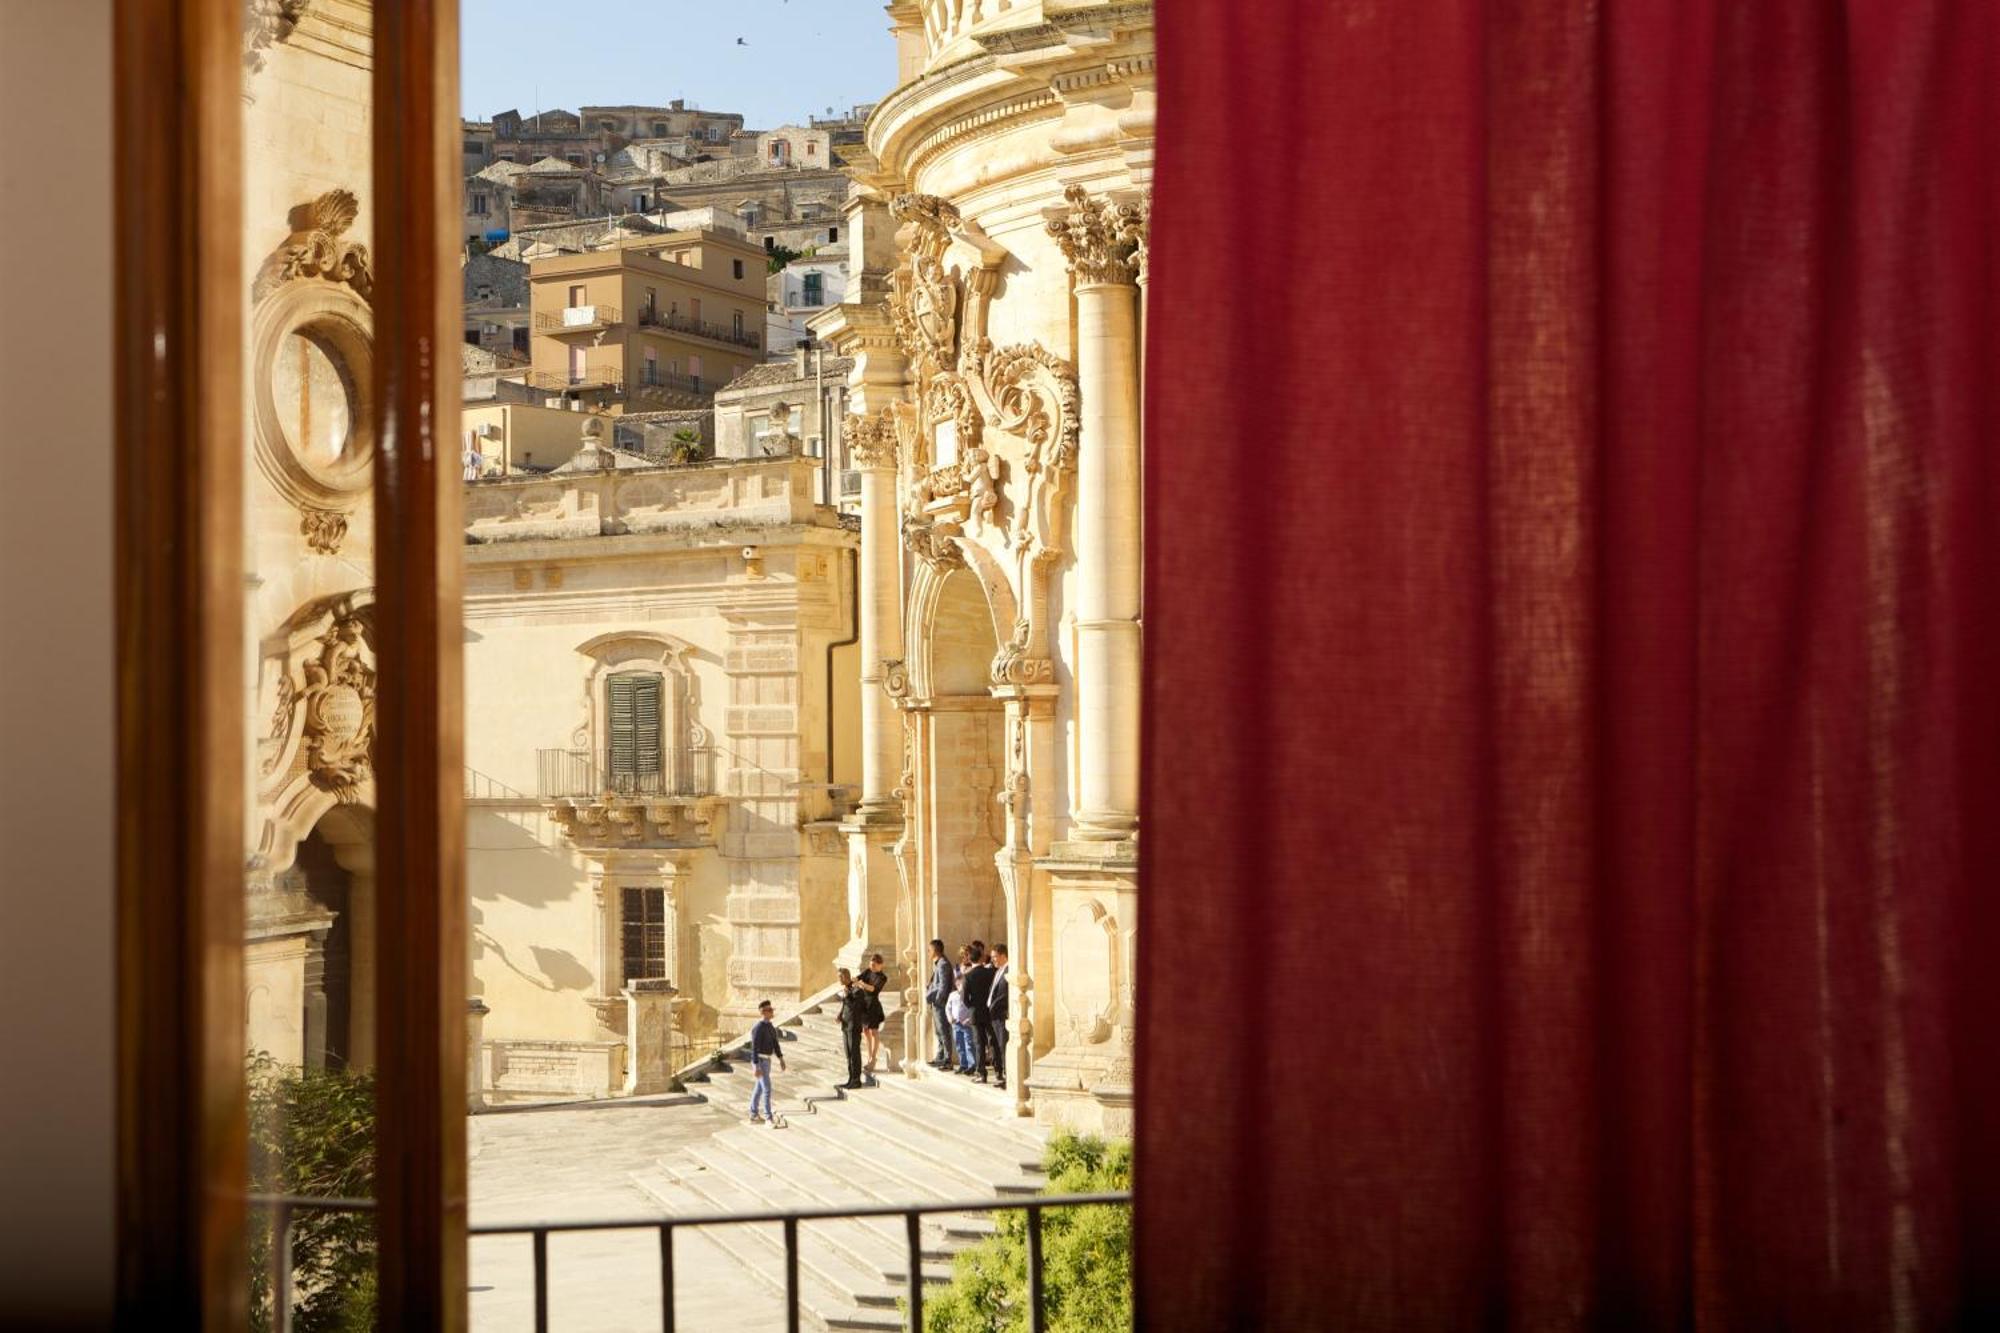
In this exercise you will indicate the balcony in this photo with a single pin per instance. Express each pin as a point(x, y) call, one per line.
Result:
point(593, 774)
point(578, 319)
point(672, 321)
point(550, 381)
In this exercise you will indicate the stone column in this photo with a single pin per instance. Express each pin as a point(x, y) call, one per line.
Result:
point(649, 1036)
point(475, 1063)
point(872, 447)
point(1099, 239)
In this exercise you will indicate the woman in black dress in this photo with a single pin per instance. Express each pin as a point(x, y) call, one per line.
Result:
point(872, 981)
point(853, 1010)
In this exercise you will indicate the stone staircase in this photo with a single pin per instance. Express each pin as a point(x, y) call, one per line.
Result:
point(906, 1140)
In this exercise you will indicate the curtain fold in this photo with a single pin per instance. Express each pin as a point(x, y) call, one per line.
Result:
point(1571, 872)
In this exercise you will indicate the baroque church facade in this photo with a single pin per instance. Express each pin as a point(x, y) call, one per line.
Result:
point(996, 322)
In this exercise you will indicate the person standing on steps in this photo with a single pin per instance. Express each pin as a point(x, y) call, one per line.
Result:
point(936, 992)
point(872, 980)
point(853, 1009)
point(996, 1006)
point(960, 1018)
point(978, 992)
point(764, 1048)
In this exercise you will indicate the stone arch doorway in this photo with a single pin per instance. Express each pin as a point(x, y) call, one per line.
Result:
point(333, 875)
point(966, 767)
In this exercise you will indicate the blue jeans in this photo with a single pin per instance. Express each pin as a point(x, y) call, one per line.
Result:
point(963, 1037)
point(943, 1026)
point(762, 1086)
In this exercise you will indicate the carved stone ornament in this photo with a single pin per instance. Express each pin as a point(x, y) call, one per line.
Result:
point(266, 23)
point(1014, 665)
point(312, 348)
point(1101, 240)
point(314, 248)
point(923, 540)
point(337, 698)
point(925, 298)
point(895, 677)
point(324, 530)
point(870, 440)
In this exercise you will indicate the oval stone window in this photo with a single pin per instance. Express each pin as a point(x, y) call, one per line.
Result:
point(313, 392)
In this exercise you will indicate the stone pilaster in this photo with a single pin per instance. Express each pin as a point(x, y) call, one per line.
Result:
point(649, 1041)
point(475, 1059)
point(1101, 241)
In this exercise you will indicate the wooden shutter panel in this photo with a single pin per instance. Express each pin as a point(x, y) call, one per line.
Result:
point(646, 724)
point(620, 734)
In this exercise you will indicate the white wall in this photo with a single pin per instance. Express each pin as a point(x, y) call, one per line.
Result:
point(56, 683)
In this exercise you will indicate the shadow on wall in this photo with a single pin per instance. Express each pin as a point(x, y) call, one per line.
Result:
point(514, 855)
point(553, 969)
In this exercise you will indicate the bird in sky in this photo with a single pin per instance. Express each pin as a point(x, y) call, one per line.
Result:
point(741, 42)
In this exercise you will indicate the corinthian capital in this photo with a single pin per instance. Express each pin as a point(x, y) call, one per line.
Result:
point(871, 442)
point(1103, 241)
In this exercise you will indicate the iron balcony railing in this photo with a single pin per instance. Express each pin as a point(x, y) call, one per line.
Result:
point(578, 319)
point(663, 382)
point(556, 381)
point(674, 321)
point(284, 1209)
point(593, 773)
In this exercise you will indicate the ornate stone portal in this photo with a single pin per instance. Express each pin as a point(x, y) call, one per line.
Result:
point(1000, 221)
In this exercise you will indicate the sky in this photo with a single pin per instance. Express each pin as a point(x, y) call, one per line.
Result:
point(798, 57)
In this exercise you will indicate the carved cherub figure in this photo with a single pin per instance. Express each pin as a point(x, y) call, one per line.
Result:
point(982, 471)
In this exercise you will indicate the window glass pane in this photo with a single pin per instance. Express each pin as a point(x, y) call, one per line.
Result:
point(310, 888)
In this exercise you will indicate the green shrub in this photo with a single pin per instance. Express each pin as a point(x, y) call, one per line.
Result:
point(312, 1132)
point(1086, 1255)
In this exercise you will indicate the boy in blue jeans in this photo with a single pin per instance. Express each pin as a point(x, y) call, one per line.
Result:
point(763, 1048)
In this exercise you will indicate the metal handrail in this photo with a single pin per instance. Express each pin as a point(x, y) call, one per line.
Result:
point(284, 1206)
point(556, 381)
point(681, 771)
point(601, 317)
point(673, 320)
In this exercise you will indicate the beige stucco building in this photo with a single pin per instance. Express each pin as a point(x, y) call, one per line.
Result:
point(661, 731)
point(657, 321)
point(998, 235)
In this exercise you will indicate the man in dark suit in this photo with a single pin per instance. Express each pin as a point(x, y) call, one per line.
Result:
point(978, 991)
point(996, 1008)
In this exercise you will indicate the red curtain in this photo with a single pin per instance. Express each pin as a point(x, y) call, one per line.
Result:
point(1571, 888)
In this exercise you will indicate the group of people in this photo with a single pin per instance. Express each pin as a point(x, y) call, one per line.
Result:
point(968, 1001)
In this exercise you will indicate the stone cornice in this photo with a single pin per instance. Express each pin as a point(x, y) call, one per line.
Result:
point(989, 94)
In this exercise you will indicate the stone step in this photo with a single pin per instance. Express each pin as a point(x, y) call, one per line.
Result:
point(830, 1283)
point(875, 1244)
point(944, 1104)
point(947, 1144)
point(915, 1174)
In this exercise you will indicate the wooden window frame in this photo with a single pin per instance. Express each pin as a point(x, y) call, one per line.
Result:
point(182, 1156)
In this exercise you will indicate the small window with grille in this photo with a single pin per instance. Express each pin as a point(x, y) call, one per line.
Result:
point(645, 934)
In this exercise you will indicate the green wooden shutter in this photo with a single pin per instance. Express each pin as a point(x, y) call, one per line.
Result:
point(633, 733)
point(646, 725)
point(620, 733)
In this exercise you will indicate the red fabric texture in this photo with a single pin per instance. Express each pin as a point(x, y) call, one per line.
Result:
point(1571, 853)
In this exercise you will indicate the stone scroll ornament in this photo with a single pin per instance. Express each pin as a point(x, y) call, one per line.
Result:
point(338, 700)
point(1014, 408)
point(1103, 241)
point(315, 248)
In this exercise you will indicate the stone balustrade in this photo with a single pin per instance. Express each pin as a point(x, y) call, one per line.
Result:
point(687, 499)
